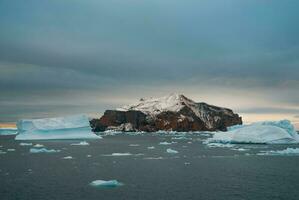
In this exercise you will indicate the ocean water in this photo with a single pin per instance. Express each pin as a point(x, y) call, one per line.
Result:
point(197, 171)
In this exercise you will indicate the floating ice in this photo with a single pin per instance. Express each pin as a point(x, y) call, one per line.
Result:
point(220, 145)
point(83, 143)
point(2, 152)
point(88, 156)
point(152, 147)
point(269, 132)
point(153, 158)
point(8, 131)
point(25, 144)
point(134, 145)
point(121, 154)
point(43, 150)
point(38, 145)
point(102, 183)
point(72, 127)
point(287, 152)
point(167, 143)
point(10, 150)
point(181, 138)
point(67, 158)
point(171, 151)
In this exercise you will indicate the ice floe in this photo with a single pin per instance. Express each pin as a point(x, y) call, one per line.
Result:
point(103, 183)
point(167, 143)
point(43, 150)
point(83, 143)
point(171, 151)
point(213, 145)
point(287, 152)
point(71, 127)
point(268, 132)
point(152, 147)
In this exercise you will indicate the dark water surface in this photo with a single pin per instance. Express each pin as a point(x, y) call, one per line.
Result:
point(196, 172)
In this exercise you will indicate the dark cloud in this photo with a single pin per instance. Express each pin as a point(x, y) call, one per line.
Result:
point(52, 51)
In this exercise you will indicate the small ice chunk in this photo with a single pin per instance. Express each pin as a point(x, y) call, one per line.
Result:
point(25, 144)
point(67, 157)
point(43, 150)
point(103, 183)
point(83, 143)
point(88, 156)
point(153, 158)
point(38, 145)
point(171, 151)
point(134, 145)
point(11, 150)
point(152, 147)
point(287, 152)
point(121, 154)
point(166, 143)
point(212, 145)
point(2, 152)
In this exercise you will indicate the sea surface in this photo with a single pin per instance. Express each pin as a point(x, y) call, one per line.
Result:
point(146, 170)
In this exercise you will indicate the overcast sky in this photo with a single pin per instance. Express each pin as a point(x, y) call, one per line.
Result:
point(70, 56)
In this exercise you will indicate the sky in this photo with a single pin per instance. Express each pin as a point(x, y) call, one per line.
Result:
point(64, 57)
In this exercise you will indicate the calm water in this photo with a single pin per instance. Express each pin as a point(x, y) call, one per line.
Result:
point(196, 172)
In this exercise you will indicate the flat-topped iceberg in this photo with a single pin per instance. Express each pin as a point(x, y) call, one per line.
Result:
point(268, 132)
point(8, 131)
point(71, 127)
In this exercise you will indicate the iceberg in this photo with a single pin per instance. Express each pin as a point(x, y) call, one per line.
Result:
point(268, 132)
point(71, 127)
point(8, 131)
point(288, 152)
point(102, 183)
point(43, 150)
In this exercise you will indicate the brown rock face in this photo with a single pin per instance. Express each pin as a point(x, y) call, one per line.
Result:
point(190, 116)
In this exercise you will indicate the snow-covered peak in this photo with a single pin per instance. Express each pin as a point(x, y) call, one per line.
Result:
point(153, 106)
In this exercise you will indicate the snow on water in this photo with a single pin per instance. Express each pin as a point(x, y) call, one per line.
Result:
point(171, 151)
point(71, 127)
point(287, 152)
point(83, 143)
point(103, 183)
point(8, 131)
point(43, 150)
point(280, 132)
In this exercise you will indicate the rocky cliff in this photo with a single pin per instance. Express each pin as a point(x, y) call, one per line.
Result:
point(171, 113)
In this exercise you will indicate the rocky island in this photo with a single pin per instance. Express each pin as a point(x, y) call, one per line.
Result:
point(170, 113)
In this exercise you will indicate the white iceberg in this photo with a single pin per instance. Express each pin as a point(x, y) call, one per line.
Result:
point(71, 127)
point(269, 132)
point(8, 131)
point(103, 183)
point(43, 150)
point(171, 151)
point(288, 152)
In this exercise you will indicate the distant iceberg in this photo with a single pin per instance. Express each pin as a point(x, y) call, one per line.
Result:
point(71, 127)
point(8, 131)
point(268, 132)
